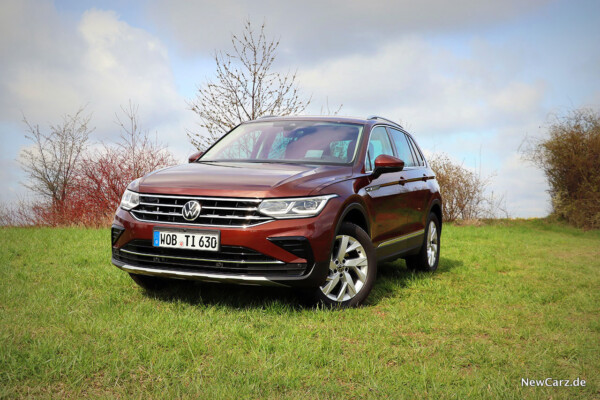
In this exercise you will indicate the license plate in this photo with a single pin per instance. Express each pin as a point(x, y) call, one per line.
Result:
point(196, 240)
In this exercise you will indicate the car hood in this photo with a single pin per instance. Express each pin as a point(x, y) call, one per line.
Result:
point(230, 179)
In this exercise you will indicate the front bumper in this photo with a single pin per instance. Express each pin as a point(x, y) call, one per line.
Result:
point(312, 279)
point(281, 268)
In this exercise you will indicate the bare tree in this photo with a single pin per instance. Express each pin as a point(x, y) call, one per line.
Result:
point(145, 154)
point(246, 88)
point(464, 192)
point(106, 172)
point(51, 162)
point(326, 110)
point(7, 215)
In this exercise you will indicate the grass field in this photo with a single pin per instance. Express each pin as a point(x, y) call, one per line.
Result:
point(512, 300)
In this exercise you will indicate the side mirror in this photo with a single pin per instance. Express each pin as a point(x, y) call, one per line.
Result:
point(195, 156)
point(385, 164)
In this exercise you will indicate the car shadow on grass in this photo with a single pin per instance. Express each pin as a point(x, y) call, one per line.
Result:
point(392, 276)
point(230, 296)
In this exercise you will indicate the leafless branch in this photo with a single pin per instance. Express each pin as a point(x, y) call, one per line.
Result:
point(246, 87)
point(326, 110)
point(464, 192)
point(53, 157)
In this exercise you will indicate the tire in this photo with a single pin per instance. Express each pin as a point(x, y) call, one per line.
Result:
point(150, 283)
point(428, 257)
point(351, 274)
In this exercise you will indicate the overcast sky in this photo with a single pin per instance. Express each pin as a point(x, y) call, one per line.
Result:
point(470, 78)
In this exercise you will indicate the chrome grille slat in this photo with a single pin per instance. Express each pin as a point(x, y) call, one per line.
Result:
point(164, 196)
point(230, 208)
point(234, 217)
point(146, 246)
point(202, 259)
point(165, 204)
point(157, 213)
point(216, 211)
point(204, 216)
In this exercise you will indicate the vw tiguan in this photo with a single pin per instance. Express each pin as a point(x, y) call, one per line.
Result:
point(310, 202)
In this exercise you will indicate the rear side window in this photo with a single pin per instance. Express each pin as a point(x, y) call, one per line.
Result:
point(417, 153)
point(379, 143)
point(403, 148)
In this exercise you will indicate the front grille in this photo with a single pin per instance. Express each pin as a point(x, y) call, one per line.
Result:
point(232, 260)
point(216, 211)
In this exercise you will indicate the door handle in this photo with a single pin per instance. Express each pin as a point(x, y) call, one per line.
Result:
point(402, 181)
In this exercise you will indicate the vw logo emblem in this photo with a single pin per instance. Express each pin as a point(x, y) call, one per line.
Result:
point(191, 210)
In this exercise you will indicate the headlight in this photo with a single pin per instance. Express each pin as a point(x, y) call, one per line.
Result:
point(130, 200)
point(294, 208)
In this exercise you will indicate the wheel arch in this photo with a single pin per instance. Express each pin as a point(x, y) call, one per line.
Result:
point(356, 214)
point(436, 208)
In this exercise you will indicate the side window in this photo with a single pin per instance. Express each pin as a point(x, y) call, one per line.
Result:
point(416, 152)
point(379, 143)
point(403, 147)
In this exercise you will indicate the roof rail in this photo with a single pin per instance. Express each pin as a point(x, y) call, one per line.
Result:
point(384, 119)
point(268, 116)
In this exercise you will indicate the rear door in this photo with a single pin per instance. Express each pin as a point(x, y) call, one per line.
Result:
point(413, 179)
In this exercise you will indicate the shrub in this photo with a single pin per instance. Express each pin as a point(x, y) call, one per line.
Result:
point(570, 159)
point(463, 191)
point(104, 175)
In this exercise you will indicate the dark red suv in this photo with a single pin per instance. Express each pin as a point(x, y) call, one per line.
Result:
point(312, 202)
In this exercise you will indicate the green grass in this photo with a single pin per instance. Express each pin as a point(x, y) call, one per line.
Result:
point(511, 300)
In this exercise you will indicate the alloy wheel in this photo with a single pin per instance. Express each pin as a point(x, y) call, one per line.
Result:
point(432, 244)
point(348, 269)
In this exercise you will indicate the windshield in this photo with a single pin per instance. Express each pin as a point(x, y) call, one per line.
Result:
point(288, 141)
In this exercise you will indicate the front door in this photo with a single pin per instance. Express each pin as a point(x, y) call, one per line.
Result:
point(386, 197)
